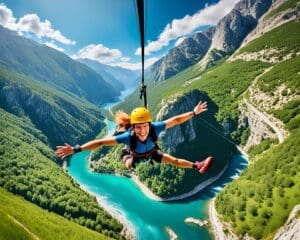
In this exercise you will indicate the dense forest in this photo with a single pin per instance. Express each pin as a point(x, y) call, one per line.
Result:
point(27, 170)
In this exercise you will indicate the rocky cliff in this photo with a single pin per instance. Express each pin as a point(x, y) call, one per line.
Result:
point(234, 27)
point(190, 51)
point(214, 43)
point(291, 229)
point(269, 21)
point(173, 106)
point(259, 129)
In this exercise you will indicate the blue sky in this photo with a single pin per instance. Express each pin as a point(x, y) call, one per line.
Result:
point(107, 30)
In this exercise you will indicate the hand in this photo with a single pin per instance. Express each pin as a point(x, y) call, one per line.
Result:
point(64, 151)
point(201, 107)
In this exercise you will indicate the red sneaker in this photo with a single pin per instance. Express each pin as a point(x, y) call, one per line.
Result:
point(203, 165)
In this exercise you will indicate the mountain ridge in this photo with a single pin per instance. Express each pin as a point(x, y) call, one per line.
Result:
point(223, 39)
point(45, 64)
point(123, 76)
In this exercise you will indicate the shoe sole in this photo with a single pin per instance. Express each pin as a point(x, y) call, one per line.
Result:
point(207, 163)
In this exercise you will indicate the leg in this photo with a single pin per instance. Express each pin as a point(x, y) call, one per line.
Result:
point(168, 159)
point(182, 163)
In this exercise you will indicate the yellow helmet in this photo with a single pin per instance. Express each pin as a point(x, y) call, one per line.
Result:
point(140, 115)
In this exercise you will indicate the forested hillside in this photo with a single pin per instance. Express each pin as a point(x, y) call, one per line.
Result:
point(260, 201)
point(26, 170)
point(46, 99)
point(59, 115)
point(20, 219)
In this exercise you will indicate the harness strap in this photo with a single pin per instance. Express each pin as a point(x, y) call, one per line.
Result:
point(134, 139)
point(146, 154)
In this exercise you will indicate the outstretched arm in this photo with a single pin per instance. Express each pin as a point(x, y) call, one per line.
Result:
point(179, 119)
point(66, 150)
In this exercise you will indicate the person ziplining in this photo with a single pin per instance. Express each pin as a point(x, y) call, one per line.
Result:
point(140, 134)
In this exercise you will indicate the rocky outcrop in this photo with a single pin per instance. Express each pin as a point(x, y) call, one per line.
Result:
point(173, 106)
point(259, 129)
point(291, 229)
point(266, 24)
point(190, 51)
point(231, 30)
point(234, 27)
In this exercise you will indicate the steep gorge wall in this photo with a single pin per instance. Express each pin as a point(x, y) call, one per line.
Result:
point(173, 106)
point(259, 129)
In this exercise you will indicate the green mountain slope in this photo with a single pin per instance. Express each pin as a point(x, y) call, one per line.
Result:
point(284, 6)
point(45, 64)
point(274, 39)
point(26, 170)
point(20, 219)
point(60, 116)
point(260, 201)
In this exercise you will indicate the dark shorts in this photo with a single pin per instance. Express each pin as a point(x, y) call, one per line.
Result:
point(154, 154)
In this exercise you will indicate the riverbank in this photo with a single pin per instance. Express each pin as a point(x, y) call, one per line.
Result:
point(216, 225)
point(220, 230)
point(197, 189)
point(128, 230)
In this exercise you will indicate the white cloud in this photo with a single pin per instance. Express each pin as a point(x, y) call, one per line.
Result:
point(135, 66)
point(210, 15)
point(31, 23)
point(6, 17)
point(99, 53)
point(53, 45)
point(179, 40)
point(112, 57)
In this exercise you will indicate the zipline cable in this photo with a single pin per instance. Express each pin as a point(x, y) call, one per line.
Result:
point(140, 7)
point(216, 131)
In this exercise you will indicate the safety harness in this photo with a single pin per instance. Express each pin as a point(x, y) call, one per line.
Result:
point(133, 143)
